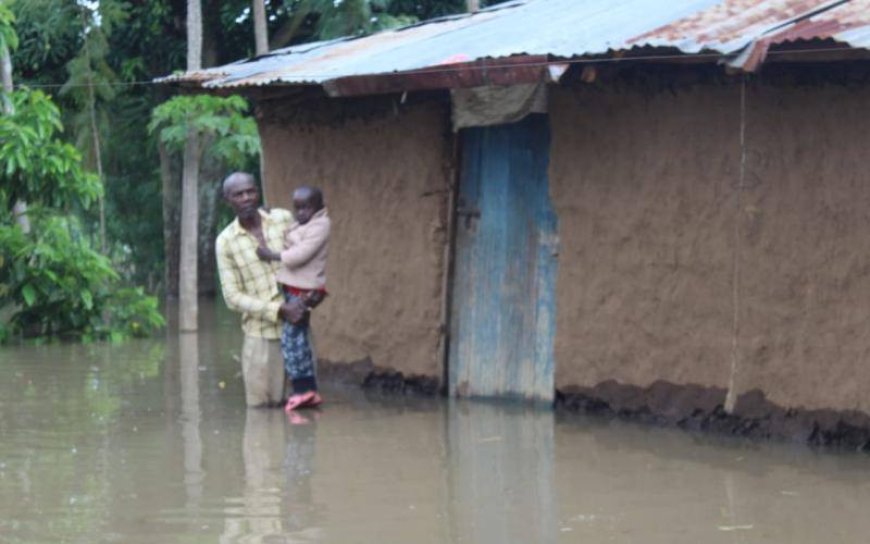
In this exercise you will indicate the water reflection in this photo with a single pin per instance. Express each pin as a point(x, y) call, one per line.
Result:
point(299, 465)
point(151, 442)
point(188, 358)
point(257, 516)
point(500, 473)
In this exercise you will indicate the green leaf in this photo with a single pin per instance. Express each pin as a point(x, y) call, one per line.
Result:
point(29, 294)
point(87, 299)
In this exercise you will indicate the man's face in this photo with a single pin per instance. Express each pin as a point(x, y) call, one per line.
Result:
point(243, 198)
point(303, 209)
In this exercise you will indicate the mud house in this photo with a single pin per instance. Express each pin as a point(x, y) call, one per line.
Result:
point(647, 207)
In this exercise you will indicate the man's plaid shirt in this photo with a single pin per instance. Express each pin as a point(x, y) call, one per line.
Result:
point(248, 283)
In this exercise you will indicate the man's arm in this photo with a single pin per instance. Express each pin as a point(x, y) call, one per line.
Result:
point(234, 296)
point(299, 254)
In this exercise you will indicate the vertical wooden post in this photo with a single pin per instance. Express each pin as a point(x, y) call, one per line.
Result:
point(194, 35)
point(261, 33)
point(188, 311)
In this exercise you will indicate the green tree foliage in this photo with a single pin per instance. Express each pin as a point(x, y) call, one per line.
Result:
point(91, 86)
point(36, 165)
point(49, 32)
point(219, 120)
point(62, 287)
point(138, 40)
point(297, 21)
point(8, 36)
point(427, 9)
point(227, 139)
point(150, 42)
point(92, 82)
point(349, 17)
point(51, 281)
point(356, 17)
point(134, 42)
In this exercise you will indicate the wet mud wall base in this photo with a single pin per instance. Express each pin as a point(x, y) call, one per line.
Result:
point(696, 408)
point(384, 171)
point(660, 243)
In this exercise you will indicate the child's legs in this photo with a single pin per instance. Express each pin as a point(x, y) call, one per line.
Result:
point(298, 355)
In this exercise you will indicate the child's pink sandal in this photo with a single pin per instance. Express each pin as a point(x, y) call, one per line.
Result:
point(295, 401)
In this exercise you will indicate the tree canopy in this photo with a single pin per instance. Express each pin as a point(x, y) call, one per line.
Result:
point(90, 66)
point(52, 282)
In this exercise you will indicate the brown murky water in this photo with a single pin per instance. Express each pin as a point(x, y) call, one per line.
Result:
point(150, 442)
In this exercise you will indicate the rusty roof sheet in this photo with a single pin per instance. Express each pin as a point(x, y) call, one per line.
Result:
point(749, 27)
point(741, 31)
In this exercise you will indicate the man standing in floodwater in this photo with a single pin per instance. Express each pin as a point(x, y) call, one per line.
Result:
point(249, 287)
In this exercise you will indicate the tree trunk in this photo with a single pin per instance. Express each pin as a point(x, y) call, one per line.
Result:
point(472, 6)
point(212, 37)
point(208, 203)
point(6, 77)
point(187, 285)
point(209, 199)
point(171, 234)
point(98, 156)
point(261, 34)
point(188, 311)
point(191, 419)
point(19, 209)
point(194, 35)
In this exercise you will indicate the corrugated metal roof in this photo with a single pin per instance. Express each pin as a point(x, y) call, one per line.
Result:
point(750, 27)
point(741, 30)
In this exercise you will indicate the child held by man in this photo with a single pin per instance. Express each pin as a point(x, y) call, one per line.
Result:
point(302, 278)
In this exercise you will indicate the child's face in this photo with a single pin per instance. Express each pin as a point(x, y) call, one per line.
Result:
point(303, 209)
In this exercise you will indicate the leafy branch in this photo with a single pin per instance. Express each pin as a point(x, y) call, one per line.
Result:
point(221, 120)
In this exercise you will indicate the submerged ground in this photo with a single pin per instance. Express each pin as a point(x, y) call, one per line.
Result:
point(150, 442)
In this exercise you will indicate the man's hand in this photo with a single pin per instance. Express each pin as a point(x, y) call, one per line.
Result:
point(314, 298)
point(295, 311)
point(266, 254)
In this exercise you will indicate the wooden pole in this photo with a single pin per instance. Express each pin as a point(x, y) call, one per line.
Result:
point(188, 310)
point(194, 35)
point(188, 266)
point(261, 33)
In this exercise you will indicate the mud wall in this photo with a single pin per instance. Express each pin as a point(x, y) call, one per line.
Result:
point(661, 245)
point(383, 170)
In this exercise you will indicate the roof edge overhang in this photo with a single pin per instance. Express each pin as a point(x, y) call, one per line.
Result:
point(525, 69)
point(514, 70)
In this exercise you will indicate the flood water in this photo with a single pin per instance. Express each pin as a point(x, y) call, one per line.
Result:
point(150, 442)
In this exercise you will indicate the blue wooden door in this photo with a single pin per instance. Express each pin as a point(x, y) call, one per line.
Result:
point(503, 307)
